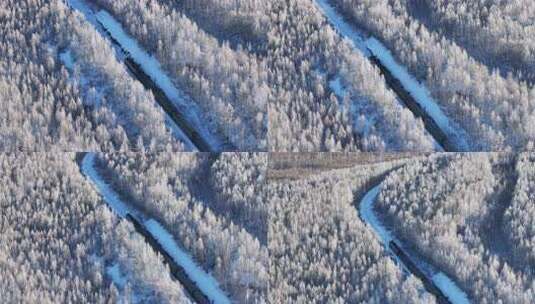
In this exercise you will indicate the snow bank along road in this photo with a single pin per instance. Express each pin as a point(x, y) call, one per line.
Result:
point(201, 286)
point(413, 94)
point(438, 284)
point(183, 113)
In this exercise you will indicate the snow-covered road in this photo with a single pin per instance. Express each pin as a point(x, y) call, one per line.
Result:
point(151, 66)
point(371, 47)
point(189, 111)
point(439, 279)
point(205, 282)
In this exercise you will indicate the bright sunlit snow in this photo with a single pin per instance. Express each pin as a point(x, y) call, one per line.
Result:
point(204, 281)
point(450, 289)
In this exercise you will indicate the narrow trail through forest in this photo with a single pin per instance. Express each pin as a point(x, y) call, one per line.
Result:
point(413, 94)
point(497, 242)
point(184, 119)
point(439, 284)
point(200, 285)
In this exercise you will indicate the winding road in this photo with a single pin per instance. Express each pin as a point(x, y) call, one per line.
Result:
point(439, 284)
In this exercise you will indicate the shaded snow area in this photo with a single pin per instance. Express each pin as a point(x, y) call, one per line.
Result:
point(151, 66)
point(206, 283)
point(116, 276)
point(67, 60)
point(371, 46)
point(450, 289)
point(441, 280)
point(419, 92)
point(336, 86)
point(109, 195)
point(83, 8)
point(120, 280)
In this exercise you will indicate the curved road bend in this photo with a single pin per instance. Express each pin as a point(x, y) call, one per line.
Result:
point(441, 286)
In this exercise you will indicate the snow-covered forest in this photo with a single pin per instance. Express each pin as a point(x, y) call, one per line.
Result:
point(63, 88)
point(297, 75)
point(60, 244)
point(267, 151)
point(473, 60)
point(462, 213)
point(267, 227)
point(461, 61)
point(66, 83)
point(463, 222)
point(322, 252)
point(68, 233)
point(196, 197)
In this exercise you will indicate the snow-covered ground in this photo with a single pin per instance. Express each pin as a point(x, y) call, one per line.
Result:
point(373, 47)
point(449, 288)
point(205, 281)
point(441, 280)
point(366, 119)
point(84, 9)
point(336, 86)
point(66, 58)
point(367, 213)
point(119, 279)
point(117, 276)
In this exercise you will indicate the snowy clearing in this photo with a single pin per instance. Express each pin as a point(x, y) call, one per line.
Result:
point(84, 9)
point(66, 58)
point(116, 276)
